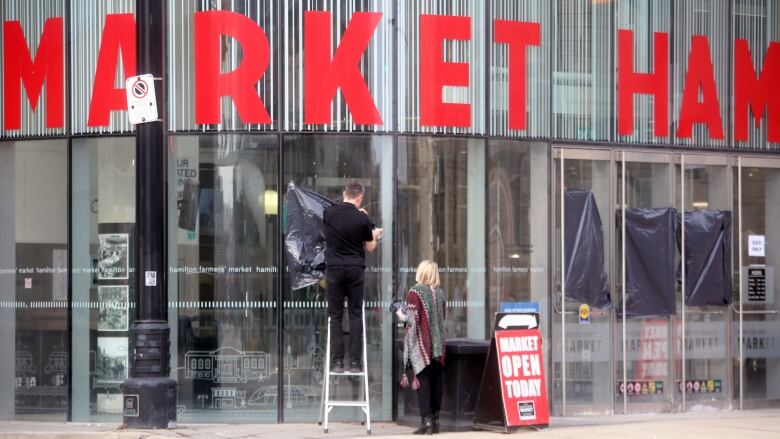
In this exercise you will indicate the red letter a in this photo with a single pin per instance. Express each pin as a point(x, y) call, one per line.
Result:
point(211, 84)
point(324, 75)
point(118, 35)
point(518, 35)
point(700, 76)
point(631, 83)
point(756, 91)
point(19, 67)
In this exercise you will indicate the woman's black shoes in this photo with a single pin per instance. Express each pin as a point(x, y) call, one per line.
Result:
point(426, 426)
point(435, 420)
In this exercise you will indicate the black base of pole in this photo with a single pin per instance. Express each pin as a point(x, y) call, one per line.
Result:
point(149, 403)
point(149, 393)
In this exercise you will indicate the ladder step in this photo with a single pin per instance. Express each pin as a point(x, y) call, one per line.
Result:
point(346, 404)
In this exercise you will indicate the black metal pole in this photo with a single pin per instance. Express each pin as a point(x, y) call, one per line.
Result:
point(149, 392)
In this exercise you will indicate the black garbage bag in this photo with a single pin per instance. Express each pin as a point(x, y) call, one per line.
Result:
point(708, 277)
point(650, 250)
point(305, 241)
point(586, 279)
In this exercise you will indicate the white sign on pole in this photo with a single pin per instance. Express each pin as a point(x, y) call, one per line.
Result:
point(756, 245)
point(151, 278)
point(141, 100)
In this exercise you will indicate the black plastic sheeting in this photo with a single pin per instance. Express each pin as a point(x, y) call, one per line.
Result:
point(586, 279)
point(651, 236)
point(708, 276)
point(305, 241)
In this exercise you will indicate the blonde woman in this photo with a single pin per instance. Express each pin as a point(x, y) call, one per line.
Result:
point(424, 342)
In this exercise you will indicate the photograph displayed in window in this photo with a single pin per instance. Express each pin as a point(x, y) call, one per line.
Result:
point(34, 280)
point(222, 279)
point(325, 164)
point(103, 281)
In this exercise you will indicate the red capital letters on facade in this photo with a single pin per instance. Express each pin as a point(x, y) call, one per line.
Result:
point(211, 84)
point(631, 83)
point(324, 75)
point(700, 75)
point(19, 68)
point(518, 35)
point(435, 73)
point(756, 91)
point(118, 35)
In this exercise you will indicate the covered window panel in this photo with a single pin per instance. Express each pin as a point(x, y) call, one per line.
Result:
point(650, 251)
point(708, 258)
point(586, 279)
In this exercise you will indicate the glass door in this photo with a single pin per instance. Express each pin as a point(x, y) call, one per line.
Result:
point(646, 300)
point(757, 312)
point(583, 317)
point(702, 372)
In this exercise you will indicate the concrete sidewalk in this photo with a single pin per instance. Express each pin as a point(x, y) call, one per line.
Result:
point(713, 425)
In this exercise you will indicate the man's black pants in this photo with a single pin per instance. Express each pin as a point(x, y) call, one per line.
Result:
point(346, 281)
point(431, 388)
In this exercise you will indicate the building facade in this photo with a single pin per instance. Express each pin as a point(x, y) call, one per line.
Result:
point(468, 121)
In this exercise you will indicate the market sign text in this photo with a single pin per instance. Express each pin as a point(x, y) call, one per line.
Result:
point(756, 91)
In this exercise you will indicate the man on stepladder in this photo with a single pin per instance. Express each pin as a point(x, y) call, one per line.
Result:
point(349, 233)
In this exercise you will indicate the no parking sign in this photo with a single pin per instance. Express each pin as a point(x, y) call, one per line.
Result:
point(141, 100)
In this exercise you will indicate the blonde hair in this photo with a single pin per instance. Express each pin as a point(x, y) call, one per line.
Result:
point(428, 274)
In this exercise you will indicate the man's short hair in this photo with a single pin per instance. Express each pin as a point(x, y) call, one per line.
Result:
point(354, 189)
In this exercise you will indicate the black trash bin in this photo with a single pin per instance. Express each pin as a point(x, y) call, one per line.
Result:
point(465, 361)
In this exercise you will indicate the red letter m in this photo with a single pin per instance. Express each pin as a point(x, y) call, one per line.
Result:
point(21, 69)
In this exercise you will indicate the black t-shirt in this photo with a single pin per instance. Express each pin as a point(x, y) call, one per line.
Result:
point(346, 229)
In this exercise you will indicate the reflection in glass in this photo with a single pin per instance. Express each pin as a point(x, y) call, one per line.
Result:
point(441, 184)
point(103, 287)
point(588, 346)
point(760, 210)
point(325, 164)
point(222, 278)
point(649, 352)
point(34, 280)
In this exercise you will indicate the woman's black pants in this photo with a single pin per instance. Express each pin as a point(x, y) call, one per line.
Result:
point(431, 387)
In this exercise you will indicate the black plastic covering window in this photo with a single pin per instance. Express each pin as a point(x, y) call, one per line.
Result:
point(650, 248)
point(708, 276)
point(305, 240)
point(586, 279)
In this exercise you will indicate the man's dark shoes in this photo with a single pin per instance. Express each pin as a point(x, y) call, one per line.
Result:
point(355, 367)
point(337, 366)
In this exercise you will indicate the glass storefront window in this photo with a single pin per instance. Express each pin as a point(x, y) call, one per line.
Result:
point(325, 164)
point(223, 218)
point(441, 184)
point(517, 235)
point(34, 280)
point(103, 287)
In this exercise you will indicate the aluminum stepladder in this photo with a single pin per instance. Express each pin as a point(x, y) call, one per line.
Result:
point(326, 405)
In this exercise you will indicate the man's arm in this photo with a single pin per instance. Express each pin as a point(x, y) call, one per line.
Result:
point(371, 245)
